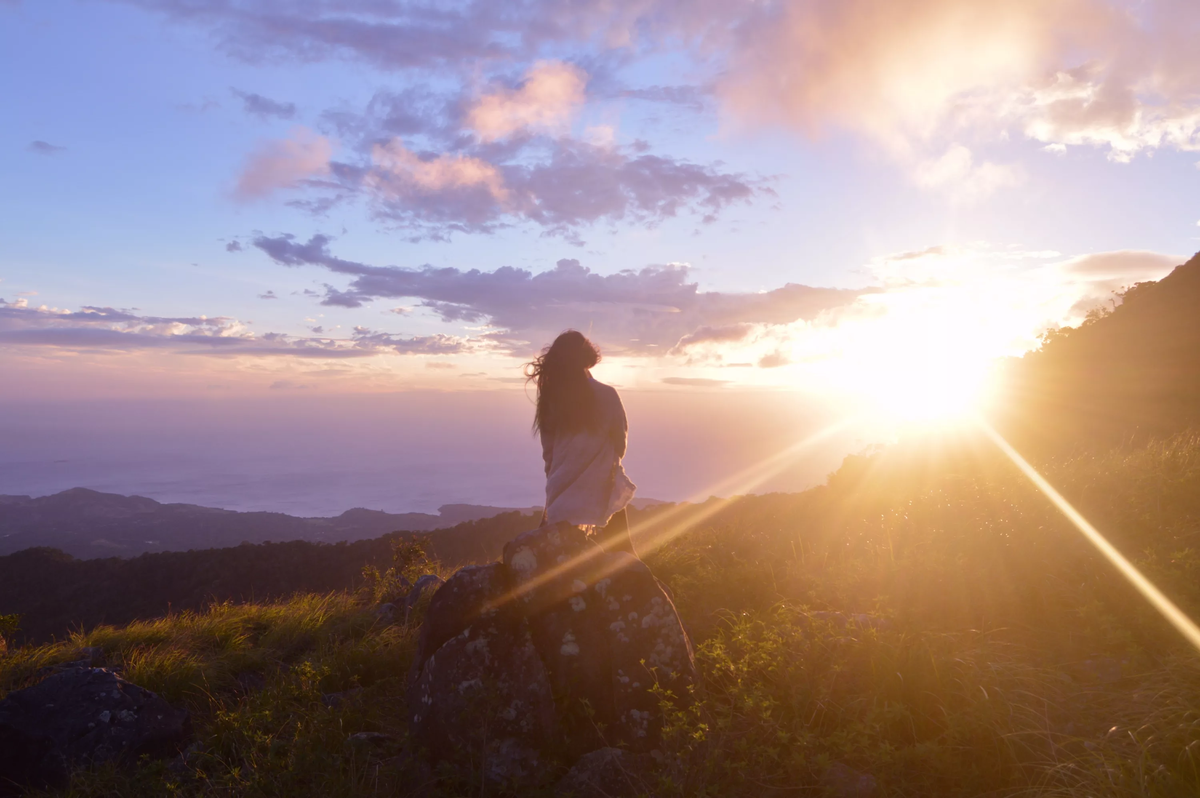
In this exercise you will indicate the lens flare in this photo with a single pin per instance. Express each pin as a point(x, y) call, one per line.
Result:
point(1164, 605)
point(664, 527)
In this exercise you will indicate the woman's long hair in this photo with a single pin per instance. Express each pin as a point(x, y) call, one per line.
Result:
point(565, 400)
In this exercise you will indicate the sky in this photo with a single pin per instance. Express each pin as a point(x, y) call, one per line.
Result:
point(366, 215)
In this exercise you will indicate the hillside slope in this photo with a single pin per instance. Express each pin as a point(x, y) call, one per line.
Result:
point(1132, 372)
point(86, 523)
point(56, 593)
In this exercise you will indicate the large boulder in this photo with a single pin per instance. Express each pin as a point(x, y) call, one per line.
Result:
point(472, 593)
point(483, 699)
point(82, 716)
point(554, 651)
point(647, 647)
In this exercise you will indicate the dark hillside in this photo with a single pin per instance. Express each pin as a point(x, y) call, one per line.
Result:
point(55, 593)
point(1133, 372)
point(87, 523)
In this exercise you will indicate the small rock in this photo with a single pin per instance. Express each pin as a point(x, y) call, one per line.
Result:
point(843, 781)
point(426, 583)
point(385, 614)
point(83, 716)
point(607, 773)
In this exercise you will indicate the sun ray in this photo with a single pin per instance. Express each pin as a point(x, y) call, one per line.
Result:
point(1164, 605)
point(668, 525)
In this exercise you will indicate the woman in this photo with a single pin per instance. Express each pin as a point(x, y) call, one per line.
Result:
point(582, 426)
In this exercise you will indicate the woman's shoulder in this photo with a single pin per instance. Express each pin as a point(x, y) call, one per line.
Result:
point(602, 389)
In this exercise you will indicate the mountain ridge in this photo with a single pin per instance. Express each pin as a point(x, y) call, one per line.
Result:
point(87, 523)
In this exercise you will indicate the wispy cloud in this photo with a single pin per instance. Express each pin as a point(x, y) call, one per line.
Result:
point(264, 107)
point(45, 148)
point(112, 330)
point(284, 164)
point(546, 101)
point(639, 312)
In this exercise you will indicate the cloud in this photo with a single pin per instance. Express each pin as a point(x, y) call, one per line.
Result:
point(560, 185)
point(284, 164)
point(457, 189)
point(408, 35)
point(693, 98)
point(112, 330)
point(547, 101)
point(264, 107)
point(233, 246)
point(733, 333)
point(915, 77)
point(463, 193)
point(1128, 264)
point(288, 385)
point(956, 173)
point(636, 312)
point(45, 148)
point(268, 295)
point(918, 76)
point(774, 360)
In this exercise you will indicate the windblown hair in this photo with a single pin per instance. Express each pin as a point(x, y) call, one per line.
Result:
point(565, 400)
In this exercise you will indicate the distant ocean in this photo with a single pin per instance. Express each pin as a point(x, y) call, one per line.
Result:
point(320, 456)
point(280, 485)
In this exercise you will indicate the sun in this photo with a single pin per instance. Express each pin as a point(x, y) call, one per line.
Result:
point(912, 384)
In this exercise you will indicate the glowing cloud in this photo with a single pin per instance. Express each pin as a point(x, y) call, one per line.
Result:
point(400, 172)
point(548, 100)
point(284, 164)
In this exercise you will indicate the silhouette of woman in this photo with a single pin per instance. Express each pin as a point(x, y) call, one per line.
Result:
point(583, 430)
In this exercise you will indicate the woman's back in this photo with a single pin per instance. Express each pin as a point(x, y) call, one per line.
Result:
point(583, 427)
point(585, 483)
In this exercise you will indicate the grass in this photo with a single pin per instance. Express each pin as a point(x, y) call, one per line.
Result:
point(926, 618)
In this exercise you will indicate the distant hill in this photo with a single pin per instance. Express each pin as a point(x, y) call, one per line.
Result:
point(86, 523)
point(55, 592)
point(1133, 372)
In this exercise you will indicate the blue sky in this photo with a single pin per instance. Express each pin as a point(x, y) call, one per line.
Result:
point(992, 169)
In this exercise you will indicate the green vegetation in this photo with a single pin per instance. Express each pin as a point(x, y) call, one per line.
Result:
point(926, 617)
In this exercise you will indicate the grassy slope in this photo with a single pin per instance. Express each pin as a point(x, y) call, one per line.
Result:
point(1012, 661)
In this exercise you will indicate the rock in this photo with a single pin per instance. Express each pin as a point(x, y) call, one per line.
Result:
point(648, 646)
point(83, 716)
point(483, 699)
point(426, 583)
point(543, 565)
point(607, 773)
point(369, 740)
point(595, 618)
point(843, 781)
point(554, 652)
point(472, 593)
point(385, 614)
